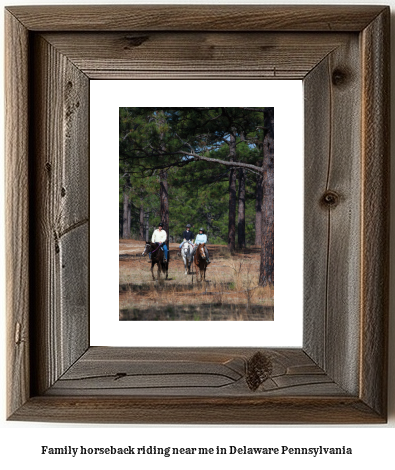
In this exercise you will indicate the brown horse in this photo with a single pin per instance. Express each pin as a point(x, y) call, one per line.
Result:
point(200, 262)
point(157, 257)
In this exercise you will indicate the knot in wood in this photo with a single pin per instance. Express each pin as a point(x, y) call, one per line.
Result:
point(259, 369)
point(340, 77)
point(135, 41)
point(120, 375)
point(330, 199)
point(18, 334)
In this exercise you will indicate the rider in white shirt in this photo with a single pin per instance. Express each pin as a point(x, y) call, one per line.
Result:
point(200, 238)
point(160, 236)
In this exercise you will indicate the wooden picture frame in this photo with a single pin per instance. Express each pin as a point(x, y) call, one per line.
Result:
point(340, 373)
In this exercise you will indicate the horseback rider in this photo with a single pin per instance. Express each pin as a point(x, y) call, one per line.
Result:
point(200, 238)
point(187, 236)
point(160, 236)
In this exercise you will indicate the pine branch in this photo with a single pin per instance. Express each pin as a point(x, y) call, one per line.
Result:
point(247, 166)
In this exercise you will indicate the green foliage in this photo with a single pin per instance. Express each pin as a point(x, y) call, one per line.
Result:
point(171, 139)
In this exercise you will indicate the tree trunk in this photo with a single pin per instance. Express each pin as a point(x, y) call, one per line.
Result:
point(141, 219)
point(129, 219)
point(164, 193)
point(147, 229)
point(126, 212)
point(164, 202)
point(241, 226)
point(258, 209)
point(232, 196)
point(266, 274)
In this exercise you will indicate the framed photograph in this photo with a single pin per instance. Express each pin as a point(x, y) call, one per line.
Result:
point(196, 198)
point(339, 374)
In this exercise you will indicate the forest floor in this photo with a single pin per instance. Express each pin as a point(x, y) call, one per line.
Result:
point(230, 291)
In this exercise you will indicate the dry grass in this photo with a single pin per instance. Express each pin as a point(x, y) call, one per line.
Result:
point(230, 293)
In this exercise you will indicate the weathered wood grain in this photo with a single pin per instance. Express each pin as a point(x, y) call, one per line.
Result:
point(192, 372)
point(317, 112)
point(196, 17)
point(196, 55)
point(375, 212)
point(332, 214)
point(198, 410)
point(60, 185)
point(17, 192)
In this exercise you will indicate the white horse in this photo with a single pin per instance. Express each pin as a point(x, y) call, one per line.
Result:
point(186, 251)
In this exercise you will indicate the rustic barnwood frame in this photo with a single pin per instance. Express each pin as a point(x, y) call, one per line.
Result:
point(339, 375)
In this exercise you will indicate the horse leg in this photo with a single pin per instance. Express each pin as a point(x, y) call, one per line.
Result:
point(152, 270)
point(200, 272)
point(185, 264)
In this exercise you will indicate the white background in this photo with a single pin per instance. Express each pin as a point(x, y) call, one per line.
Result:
point(20, 442)
point(106, 98)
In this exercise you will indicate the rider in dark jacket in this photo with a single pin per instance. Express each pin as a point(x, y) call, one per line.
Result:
point(187, 234)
